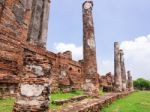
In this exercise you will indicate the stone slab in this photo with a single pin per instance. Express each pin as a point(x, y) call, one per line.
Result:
point(93, 105)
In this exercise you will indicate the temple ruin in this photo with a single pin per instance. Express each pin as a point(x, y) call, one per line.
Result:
point(26, 65)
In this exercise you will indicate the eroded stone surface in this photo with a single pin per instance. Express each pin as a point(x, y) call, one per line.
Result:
point(62, 74)
point(91, 43)
point(2, 1)
point(31, 90)
point(18, 11)
point(89, 87)
point(30, 102)
point(39, 22)
point(36, 69)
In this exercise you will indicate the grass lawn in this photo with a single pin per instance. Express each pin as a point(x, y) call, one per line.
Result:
point(60, 95)
point(136, 102)
point(6, 105)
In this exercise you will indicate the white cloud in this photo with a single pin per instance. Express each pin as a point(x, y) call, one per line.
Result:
point(77, 51)
point(137, 54)
point(137, 58)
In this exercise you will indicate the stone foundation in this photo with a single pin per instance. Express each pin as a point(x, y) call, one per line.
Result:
point(34, 87)
point(106, 82)
point(94, 105)
point(8, 90)
point(65, 101)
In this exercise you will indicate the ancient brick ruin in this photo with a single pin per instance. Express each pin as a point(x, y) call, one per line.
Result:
point(21, 58)
point(107, 82)
point(26, 65)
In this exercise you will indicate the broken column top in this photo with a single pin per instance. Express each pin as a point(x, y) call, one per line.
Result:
point(90, 1)
point(116, 43)
point(88, 4)
point(121, 52)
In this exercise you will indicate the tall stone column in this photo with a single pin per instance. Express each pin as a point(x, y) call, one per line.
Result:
point(123, 71)
point(91, 86)
point(34, 86)
point(130, 81)
point(38, 28)
point(117, 69)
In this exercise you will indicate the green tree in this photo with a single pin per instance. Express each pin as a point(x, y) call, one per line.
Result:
point(142, 84)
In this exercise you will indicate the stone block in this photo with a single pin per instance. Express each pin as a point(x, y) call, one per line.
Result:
point(31, 90)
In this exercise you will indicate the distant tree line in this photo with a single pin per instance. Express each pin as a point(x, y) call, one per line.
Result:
point(142, 84)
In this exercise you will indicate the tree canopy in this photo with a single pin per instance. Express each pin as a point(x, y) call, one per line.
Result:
point(142, 84)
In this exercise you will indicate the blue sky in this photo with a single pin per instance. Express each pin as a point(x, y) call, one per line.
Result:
point(114, 20)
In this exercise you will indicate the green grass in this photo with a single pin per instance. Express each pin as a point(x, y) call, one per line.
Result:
point(101, 92)
point(136, 102)
point(60, 96)
point(6, 105)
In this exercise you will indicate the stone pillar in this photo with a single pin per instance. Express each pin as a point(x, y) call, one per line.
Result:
point(123, 71)
point(130, 81)
point(91, 86)
point(34, 86)
point(38, 28)
point(117, 69)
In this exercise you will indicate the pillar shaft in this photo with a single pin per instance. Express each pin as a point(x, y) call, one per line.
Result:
point(117, 69)
point(130, 82)
point(90, 64)
point(38, 28)
point(44, 26)
point(123, 71)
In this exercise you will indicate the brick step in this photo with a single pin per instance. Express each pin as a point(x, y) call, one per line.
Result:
point(73, 99)
point(93, 105)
